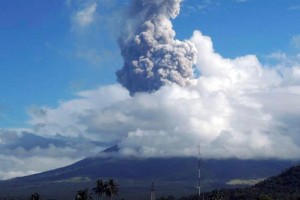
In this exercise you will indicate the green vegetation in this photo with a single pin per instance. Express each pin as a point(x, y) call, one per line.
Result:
point(175, 176)
point(100, 188)
point(282, 187)
point(108, 188)
point(34, 196)
point(83, 195)
point(167, 198)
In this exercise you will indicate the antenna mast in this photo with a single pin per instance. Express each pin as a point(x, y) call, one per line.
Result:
point(199, 171)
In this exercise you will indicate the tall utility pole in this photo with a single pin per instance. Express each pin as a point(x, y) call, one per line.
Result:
point(152, 194)
point(199, 171)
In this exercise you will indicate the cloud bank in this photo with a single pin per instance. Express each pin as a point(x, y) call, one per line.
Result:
point(236, 108)
point(23, 152)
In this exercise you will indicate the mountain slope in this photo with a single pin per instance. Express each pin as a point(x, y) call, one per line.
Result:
point(284, 186)
point(288, 182)
point(161, 168)
point(176, 176)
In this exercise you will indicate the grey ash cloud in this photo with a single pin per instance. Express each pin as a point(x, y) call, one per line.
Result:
point(152, 56)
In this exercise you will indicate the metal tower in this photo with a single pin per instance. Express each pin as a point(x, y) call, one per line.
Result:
point(199, 171)
point(152, 194)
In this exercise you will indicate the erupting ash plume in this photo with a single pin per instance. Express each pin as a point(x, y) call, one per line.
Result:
point(152, 57)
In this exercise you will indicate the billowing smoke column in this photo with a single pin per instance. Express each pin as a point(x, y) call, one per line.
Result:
point(152, 57)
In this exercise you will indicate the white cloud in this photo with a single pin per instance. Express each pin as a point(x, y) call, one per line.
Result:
point(204, 6)
point(241, 1)
point(86, 16)
point(294, 7)
point(88, 19)
point(295, 41)
point(236, 108)
point(254, 93)
point(46, 121)
point(23, 153)
point(12, 166)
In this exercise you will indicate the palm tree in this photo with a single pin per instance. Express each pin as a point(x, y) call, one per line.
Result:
point(83, 195)
point(100, 188)
point(112, 189)
point(34, 196)
point(108, 188)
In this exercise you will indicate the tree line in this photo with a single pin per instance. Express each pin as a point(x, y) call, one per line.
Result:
point(103, 189)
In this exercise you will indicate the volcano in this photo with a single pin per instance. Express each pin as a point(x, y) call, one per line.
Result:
point(175, 176)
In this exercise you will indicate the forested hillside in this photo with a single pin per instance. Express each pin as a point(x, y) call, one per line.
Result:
point(281, 187)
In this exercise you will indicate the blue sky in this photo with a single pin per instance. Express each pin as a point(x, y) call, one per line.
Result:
point(60, 101)
point(40, 47)
point(246, 27)
point(38, 58)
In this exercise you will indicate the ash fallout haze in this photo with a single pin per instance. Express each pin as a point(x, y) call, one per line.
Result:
point(79, 76)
